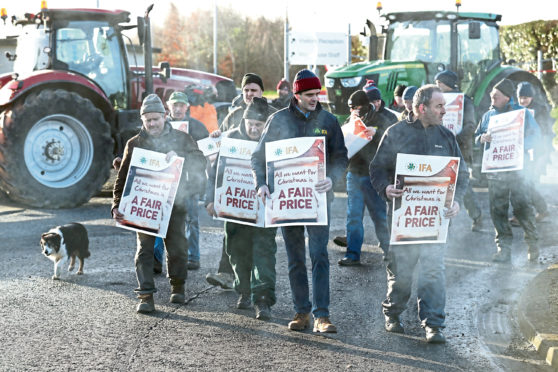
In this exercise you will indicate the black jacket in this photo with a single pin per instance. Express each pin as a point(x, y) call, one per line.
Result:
point(412, 138)
point(192, 180)
point(196, 128)
point(381, 120)
point(291, 123)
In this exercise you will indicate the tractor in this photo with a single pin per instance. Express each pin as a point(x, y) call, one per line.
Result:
point(73, 100)
point(418, 45)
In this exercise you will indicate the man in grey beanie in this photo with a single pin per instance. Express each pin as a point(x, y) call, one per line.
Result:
point(158, 135)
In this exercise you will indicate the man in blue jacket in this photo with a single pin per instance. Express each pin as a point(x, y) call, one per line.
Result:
point(305, 118)
point(513, 186)
point(420, 134)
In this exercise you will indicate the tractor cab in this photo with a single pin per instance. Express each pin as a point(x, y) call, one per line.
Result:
point(82, 41)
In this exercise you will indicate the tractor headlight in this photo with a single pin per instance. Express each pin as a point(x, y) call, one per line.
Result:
point(329, 82)
point(351, 82)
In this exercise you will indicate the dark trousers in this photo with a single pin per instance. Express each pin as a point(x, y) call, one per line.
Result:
point(176, 246)
point(431, 283)
point(503, 189)
point(251, 251)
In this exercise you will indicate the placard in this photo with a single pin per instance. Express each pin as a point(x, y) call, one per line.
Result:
point(149, 192)
point(453, 119)
point(504, 152)
point(236, 197)
point(182, 126)
point(355, 136)
point(428, 184)
point(294, 166)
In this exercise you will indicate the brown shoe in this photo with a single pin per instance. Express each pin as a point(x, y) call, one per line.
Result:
point(323, 325)
point(300, 322)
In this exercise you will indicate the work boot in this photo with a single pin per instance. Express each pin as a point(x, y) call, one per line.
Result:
point(340, 241)
point(193, 265)
point(347, 261)
point(300, 322)
point(244, 301)
point(393, 324)
point(263, 310)
point(323, 325)
point(223, 280)
point(503, 255)
point(177, 294)
point(533, 254)
point(434, 335)
point(146, 305)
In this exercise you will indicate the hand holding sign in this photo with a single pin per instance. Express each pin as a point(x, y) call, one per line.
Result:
point(453, 211)
point(263, 193)
point(324, 185)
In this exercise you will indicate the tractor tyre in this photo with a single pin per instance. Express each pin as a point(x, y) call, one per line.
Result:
point(55, 150)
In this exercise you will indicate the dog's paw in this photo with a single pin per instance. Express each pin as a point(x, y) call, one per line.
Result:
point(80, 272)
point(54, 277)
point(70, 268)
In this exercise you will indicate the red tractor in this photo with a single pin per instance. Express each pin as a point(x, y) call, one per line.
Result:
point(73, 100)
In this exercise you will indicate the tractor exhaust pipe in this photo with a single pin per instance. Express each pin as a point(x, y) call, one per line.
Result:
point(148, 53)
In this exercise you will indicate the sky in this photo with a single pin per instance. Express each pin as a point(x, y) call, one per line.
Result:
point(318, 16)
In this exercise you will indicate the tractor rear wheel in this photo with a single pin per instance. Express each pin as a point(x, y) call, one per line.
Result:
point(55, 151)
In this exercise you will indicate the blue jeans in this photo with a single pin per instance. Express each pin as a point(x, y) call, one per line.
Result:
point(192, 233)
point(360, 193)
point(295, 245)
point(431, 283)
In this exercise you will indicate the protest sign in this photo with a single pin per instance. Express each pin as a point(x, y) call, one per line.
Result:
point(453, 119)
point(235, 192)
point(294, 166)
point(355, 136)
point(181, 126)
point(505, 150)
point(428, 184)
point(149, 192)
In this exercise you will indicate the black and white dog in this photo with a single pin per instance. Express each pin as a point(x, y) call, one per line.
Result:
point(66, 242)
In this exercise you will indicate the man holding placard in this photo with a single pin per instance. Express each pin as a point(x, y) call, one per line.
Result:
point(423, 136)
point(509, 161)
point(158, 135)
point(250, 248)
point(305, 118)
point(463, 127)
point(360, 193)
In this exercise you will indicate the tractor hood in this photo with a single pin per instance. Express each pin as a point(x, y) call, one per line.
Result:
point(370, 68)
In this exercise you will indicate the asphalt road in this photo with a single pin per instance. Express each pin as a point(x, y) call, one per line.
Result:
point(89, 322)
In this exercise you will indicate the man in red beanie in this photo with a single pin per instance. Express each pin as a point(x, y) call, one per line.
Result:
point(305, 118)
point(285, 95)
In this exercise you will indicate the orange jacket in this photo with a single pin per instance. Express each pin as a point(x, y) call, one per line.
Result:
point(207, 114)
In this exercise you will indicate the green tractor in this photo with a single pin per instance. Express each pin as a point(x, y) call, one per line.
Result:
point(418, 45)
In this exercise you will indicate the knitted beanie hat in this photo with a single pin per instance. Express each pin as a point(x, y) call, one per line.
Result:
point(252, 78)
point(506, 87)
point(306, 80)
point(152, 103)
point(447, 77)
point(525, 89)
point(409, 93)
point(372, 91)
point(257, 109)
point(358, 98)
point(282, 84)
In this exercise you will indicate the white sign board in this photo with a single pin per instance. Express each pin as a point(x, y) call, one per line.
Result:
point(317, 48)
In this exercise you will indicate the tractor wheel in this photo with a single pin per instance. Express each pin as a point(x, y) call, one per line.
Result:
point(55, 150)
